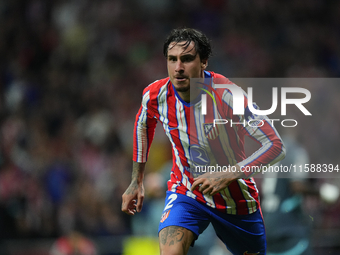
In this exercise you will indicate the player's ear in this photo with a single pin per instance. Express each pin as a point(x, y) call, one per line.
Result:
point(204, 64)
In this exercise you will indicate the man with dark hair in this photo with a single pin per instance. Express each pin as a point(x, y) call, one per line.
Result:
point(227, 199)
point(201, 42)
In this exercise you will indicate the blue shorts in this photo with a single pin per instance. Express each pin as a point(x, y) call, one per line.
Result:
point(242, 234)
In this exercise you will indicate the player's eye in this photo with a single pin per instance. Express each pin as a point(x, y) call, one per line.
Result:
point(188, 58)
point(172, 59)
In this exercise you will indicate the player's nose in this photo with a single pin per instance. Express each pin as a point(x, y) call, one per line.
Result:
point(179, 66)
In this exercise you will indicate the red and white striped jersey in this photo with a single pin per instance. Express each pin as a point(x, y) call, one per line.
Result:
point(196, 141)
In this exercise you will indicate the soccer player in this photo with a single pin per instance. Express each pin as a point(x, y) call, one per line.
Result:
point(226, 199)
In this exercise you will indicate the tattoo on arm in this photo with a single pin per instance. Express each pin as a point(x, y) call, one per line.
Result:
point(138, 171)
point(137, 176)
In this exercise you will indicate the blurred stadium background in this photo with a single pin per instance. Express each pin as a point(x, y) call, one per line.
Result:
point(71, 77)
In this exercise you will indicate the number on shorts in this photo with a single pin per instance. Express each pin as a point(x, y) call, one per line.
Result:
point(171, 199)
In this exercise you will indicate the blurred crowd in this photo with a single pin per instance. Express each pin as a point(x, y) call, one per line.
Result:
point(71, 77)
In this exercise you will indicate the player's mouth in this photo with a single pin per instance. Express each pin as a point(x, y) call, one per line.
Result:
point(181, 78)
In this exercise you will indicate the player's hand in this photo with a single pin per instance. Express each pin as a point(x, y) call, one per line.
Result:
point(132, 199)
point(212, 183)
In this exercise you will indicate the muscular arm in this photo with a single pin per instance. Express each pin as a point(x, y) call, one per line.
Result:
point(144, 130)
point(132, 199)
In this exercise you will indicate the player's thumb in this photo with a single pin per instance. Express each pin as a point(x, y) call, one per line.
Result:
point(140, 202)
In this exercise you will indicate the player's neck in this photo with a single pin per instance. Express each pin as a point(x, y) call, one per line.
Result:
point(189, 96)
point(185, 96)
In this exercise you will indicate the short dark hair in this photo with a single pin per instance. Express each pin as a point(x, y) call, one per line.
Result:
point(188, 35)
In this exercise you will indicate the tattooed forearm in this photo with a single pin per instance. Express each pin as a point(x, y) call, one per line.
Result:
point(137, 177)
point(138, 171)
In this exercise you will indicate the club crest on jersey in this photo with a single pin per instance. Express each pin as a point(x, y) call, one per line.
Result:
point(165, 215)
point(210, 131)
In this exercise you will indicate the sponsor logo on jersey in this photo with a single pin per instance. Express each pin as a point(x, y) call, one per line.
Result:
point(165, 215)
point(198, 155)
